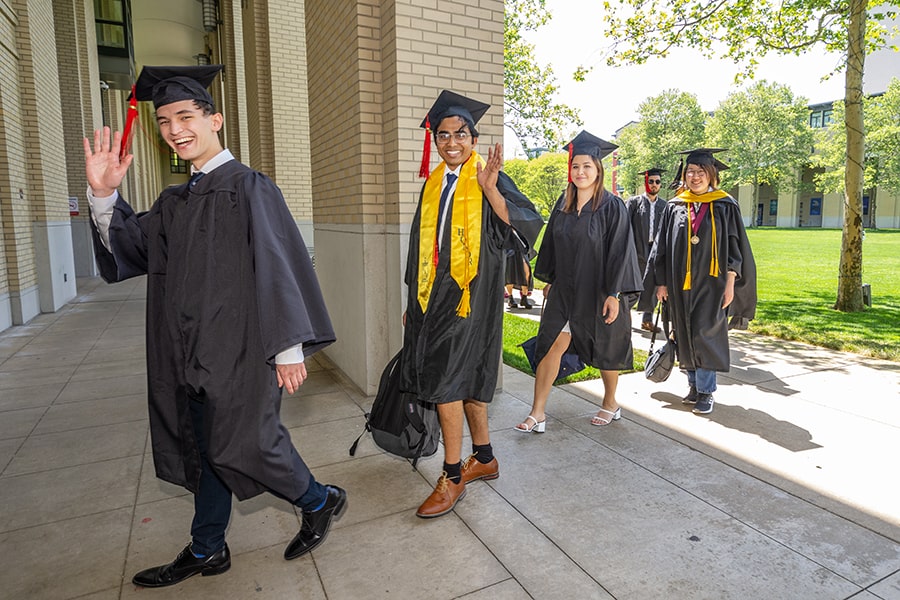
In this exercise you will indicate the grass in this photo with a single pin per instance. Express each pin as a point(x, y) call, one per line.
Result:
point(798, 278)
point(518, 329)
point(797, 273)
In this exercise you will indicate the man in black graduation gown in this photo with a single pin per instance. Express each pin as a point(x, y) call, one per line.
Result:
point(644, 213)
point(469, 214)
point(233, 307)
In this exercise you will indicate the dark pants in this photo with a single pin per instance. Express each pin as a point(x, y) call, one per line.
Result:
point(212, 503)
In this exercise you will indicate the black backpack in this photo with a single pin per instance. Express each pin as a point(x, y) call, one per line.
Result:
point(400, 423)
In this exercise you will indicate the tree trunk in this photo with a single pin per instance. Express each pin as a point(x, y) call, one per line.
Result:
point(849, 296)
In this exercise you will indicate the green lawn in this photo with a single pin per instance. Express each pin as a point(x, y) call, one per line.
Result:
point(798, 279)
point(797, 286)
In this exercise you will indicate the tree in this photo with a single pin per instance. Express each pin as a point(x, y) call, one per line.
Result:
point(545, 179)
point(529, 89)
point(744, 31)
point(669, 123)
point(766, 130)
point(881, 117)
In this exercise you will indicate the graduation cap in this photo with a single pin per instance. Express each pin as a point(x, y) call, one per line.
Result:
point(449, 104)
point(704, 156)
point(165, 85)
point(587, 144)
point(698, 156)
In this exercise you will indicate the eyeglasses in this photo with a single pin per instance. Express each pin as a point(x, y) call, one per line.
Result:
point(442, 137)
point(656, 181)
point(692, 174)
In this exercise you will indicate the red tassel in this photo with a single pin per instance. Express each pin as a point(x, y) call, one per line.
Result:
point(125, 147)
point(647, 182)
point(425, 167)
point(570, 162)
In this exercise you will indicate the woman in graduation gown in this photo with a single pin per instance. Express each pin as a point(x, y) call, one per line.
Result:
point(703, 268)
point(588, 258)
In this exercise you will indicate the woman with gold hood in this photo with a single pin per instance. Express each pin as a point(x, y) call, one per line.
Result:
point(703, 268)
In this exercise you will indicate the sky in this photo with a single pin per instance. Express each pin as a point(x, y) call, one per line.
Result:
point(610, 96)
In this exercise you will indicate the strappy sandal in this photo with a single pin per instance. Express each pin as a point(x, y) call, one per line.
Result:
point(601, 420)
point(536, 427)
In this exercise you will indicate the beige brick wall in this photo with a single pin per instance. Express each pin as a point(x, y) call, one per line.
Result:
point(41, 111)
point(15, 214)
point(290, 107)
point(231, 54)
point(258, 81)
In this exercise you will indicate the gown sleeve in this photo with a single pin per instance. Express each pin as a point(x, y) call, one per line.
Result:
point(127, 253)
point(291, 307)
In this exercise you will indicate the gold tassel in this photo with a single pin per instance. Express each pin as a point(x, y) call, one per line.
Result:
point(690, 231)
point(464, 308)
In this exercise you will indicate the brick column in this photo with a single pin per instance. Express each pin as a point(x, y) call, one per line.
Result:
point(50, 267)
point(375, 67)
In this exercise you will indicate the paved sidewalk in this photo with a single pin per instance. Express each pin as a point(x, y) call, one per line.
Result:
point(788, 490)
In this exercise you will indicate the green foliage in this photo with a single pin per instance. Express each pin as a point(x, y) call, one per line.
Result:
point(766, 130)
point(881, 115)
point(741, 30)
point(529, 89)
point(542, 179)
point(670, 122)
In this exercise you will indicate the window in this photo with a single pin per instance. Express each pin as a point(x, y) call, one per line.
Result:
point(827, 117)
point(865, 205)
point(109, 17)
point(815, 119)
point(176, 165)
point(773, 207)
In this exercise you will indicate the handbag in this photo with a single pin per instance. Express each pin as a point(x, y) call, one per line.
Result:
point(660, 362)
point(569, 364)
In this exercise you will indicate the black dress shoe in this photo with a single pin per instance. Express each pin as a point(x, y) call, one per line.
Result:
point(185, 565)
point(316, 523)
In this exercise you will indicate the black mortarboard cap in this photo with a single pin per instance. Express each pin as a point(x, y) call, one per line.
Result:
point(451, 104)
point(589, 144)
point(653, 171)
point(165, 85)
point(704, 156)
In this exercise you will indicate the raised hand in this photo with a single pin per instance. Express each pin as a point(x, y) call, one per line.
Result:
point(487, 176)
point(104, 170)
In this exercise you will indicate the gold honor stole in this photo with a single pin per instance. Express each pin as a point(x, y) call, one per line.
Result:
point(465, 237)
point(689, 197)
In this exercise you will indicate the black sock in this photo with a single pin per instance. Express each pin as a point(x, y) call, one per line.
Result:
point(483, 454)
point(453, 472)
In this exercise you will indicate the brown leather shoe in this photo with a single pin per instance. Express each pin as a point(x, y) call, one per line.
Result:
point(442, 500)
point(472, 470)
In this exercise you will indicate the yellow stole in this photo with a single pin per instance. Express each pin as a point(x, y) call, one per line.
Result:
point(465, 231)
point(689, 196)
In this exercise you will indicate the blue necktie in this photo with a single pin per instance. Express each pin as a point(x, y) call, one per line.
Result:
point(197, 176)
point(444, 195)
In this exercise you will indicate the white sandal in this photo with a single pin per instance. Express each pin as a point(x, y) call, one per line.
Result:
point(537, 427)
point(599, 420)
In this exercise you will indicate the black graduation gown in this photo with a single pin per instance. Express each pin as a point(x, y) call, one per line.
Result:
point(588, 257)
point(445, 357)
point(230, 284)
point(701, 327)
point(639, 208)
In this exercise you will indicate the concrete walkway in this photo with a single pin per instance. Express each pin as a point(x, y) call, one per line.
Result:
point(788, 490)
